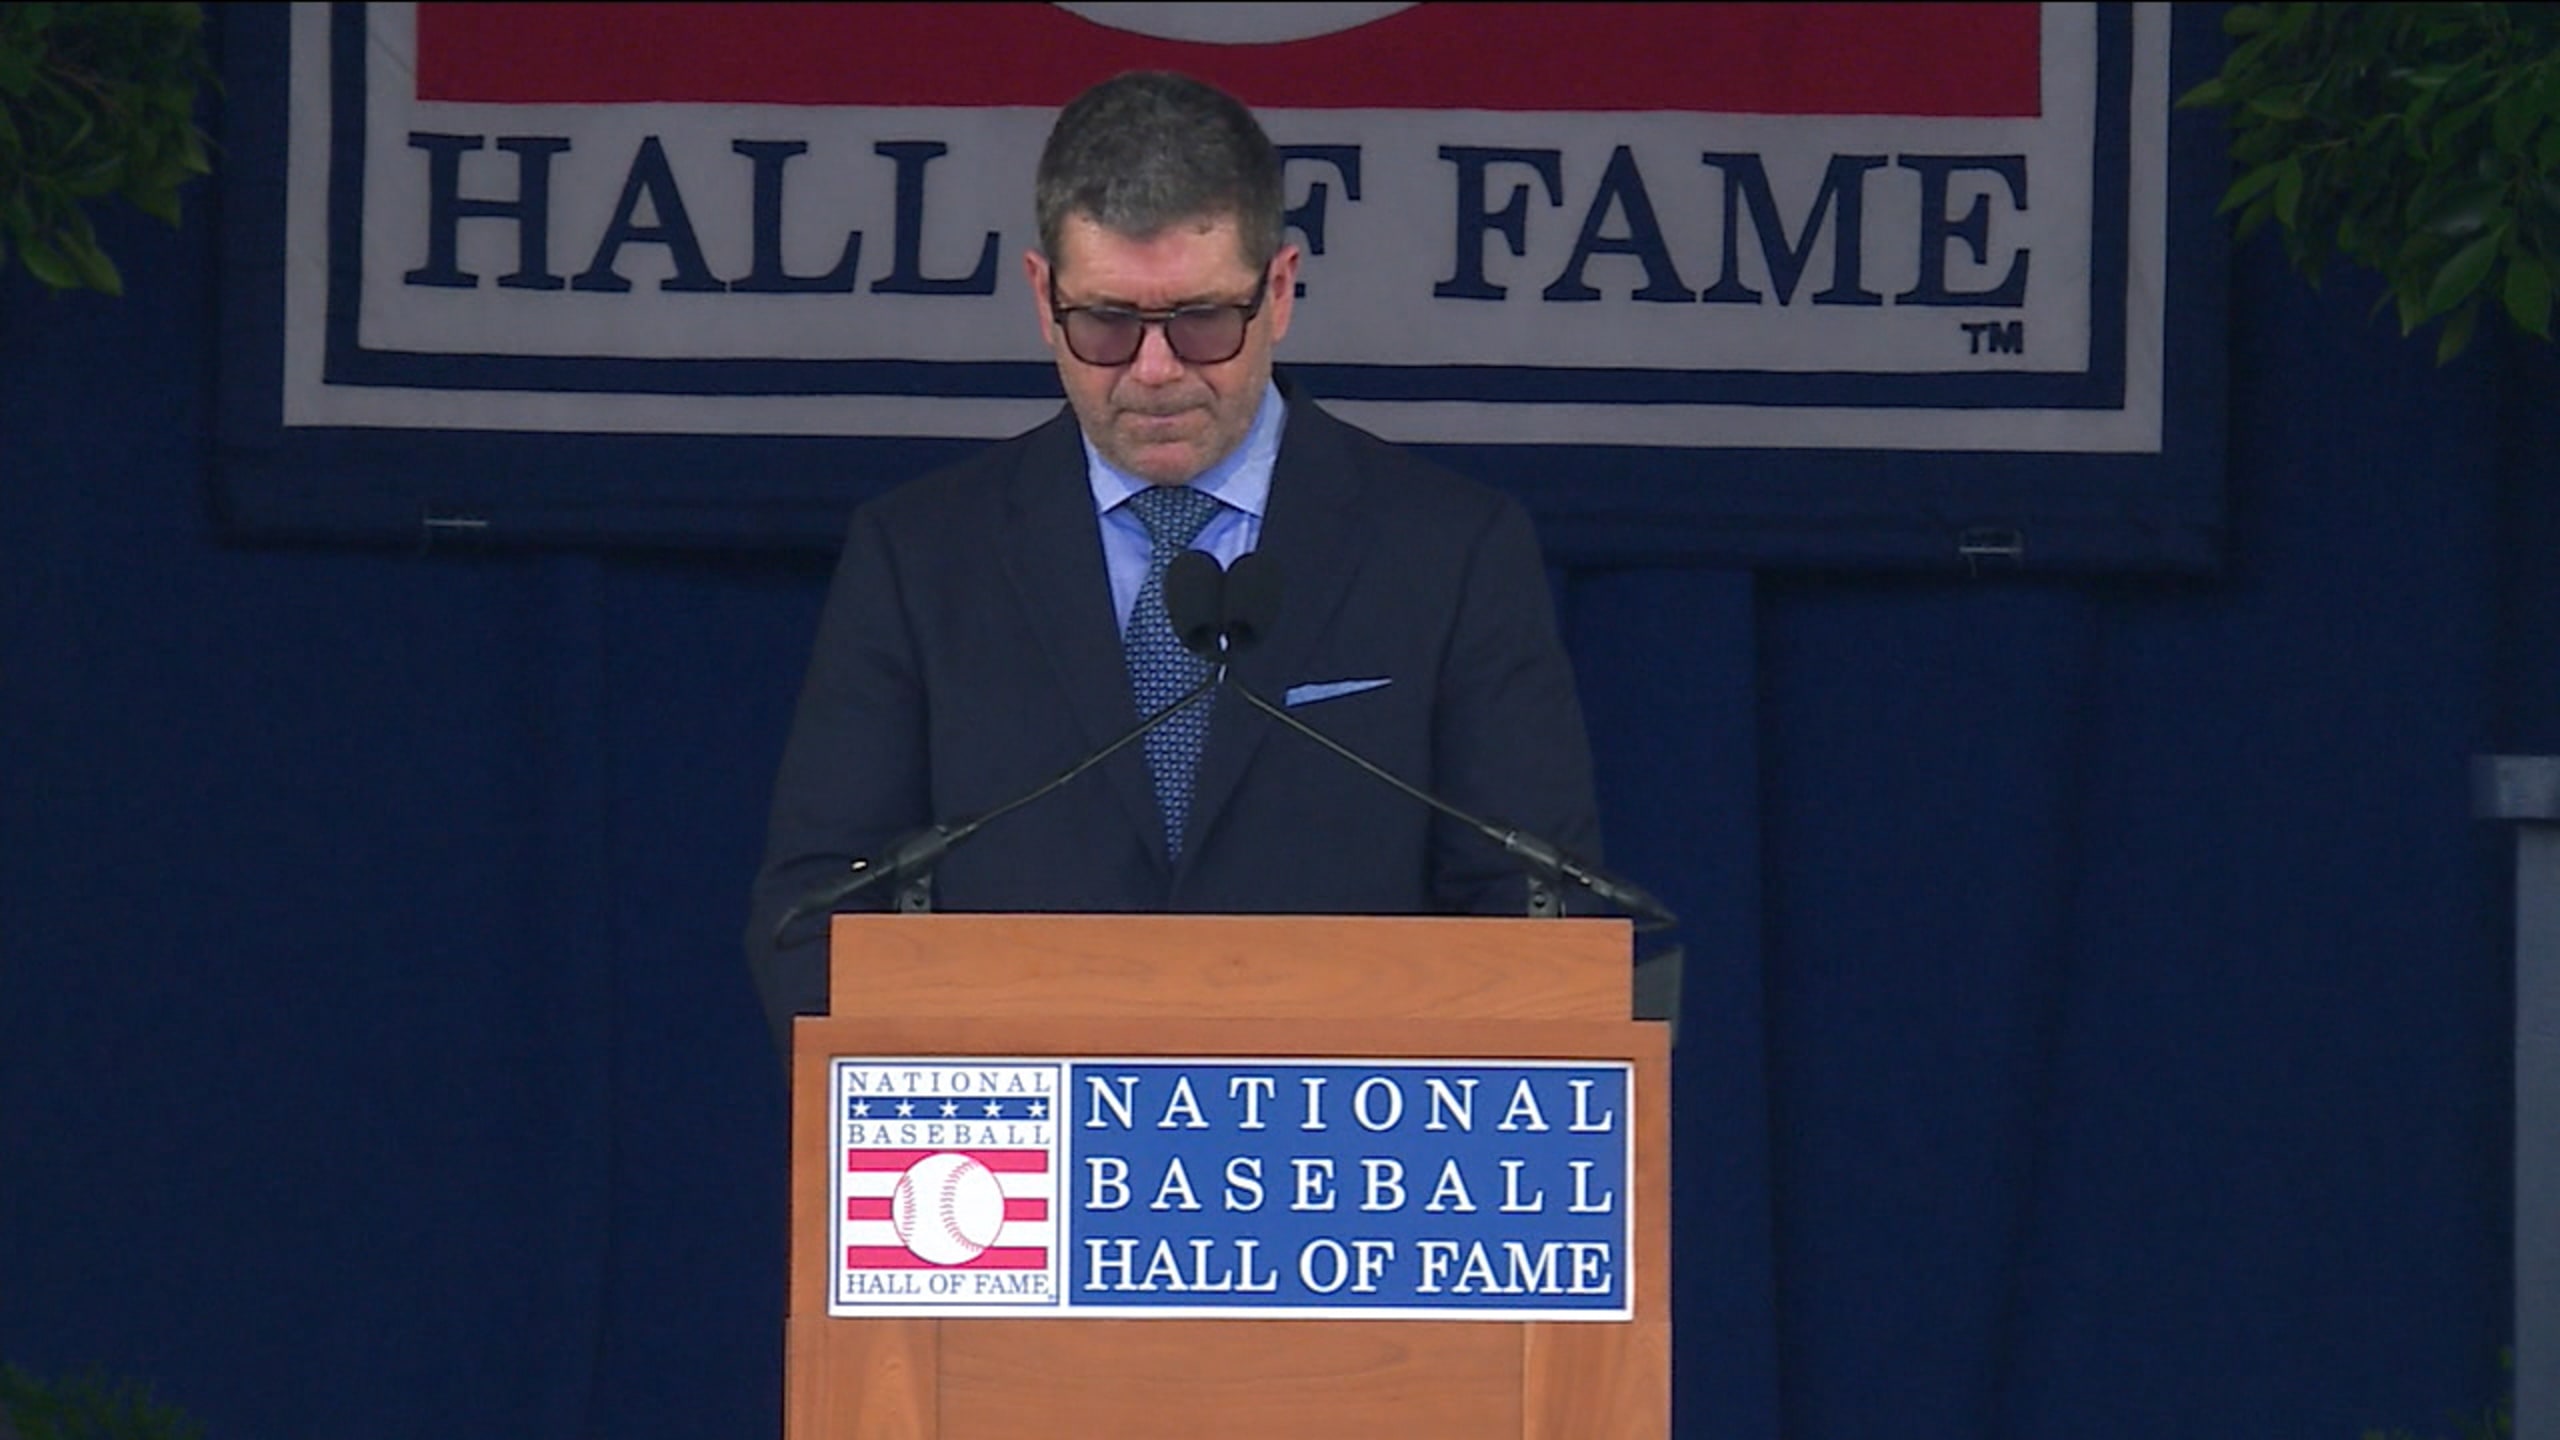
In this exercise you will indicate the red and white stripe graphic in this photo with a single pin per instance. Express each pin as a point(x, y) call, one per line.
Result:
point(1918, 59)
point(873, 1237)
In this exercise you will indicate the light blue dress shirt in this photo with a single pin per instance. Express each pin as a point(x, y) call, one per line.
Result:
point(1241, 482)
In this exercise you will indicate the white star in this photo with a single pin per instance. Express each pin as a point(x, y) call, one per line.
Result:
point(950, 1108)
point(994, 1110)
point(861, 1108)
point(1039, 1109)
point(906, 1108)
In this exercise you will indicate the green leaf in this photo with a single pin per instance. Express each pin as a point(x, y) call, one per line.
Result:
point(2457, 331)
point(2448, 134)
point(160, 202)
point(2470, 80)
point(2211, 93)
point(2463, 273)
point(96, 100)
point(2545, 83)
point(2413, 311)
point(2518, 112)
point(2262, 145)
point(80, 133)
point(2283, 105)
point(76, 227)
point(2469, 212)
point(2247, 66)
point(2528, 296)
point(2250, 186)
point(2247, 19)
point(96, 270)
point(101, 178)
point(2289, 191)
point(47, 266)
point(2253, 219)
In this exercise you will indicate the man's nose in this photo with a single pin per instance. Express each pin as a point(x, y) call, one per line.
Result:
point(1155, 363)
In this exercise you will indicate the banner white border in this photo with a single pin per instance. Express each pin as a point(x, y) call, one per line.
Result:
point(309, 399)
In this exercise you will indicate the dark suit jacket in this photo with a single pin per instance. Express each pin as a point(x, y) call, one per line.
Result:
point(969, 650)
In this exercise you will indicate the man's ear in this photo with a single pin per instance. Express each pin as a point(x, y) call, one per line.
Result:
point(1282, 297)
point(1036, 269)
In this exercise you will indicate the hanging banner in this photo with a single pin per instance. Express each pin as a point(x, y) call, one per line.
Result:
point(763, 259)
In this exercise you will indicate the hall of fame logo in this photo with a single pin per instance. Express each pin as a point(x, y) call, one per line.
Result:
point(1390, 1189)
point(946, 1190)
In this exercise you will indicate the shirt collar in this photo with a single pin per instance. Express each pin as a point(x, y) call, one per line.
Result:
point(1241, 481)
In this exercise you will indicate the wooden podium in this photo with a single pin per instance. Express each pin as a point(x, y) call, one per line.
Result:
point(1228, 986)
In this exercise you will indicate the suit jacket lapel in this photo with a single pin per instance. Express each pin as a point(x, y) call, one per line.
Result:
point(1310, 536)
point(1052, 551)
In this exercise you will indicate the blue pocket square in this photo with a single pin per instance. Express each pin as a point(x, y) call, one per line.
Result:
point(1329, 690)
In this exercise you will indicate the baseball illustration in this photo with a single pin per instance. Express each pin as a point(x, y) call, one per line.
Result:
point(1233, 24)
point(947, 1208)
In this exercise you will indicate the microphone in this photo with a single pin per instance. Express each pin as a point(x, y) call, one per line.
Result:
point(1252, 600)
point(1246, 609)
point(909, 860)
point(1193, 603)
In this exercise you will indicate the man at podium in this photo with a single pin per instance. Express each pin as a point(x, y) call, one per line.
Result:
point(993, 624)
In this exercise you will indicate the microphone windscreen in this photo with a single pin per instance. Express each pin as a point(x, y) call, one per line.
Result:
point(1194, 589)
point(1252, 600)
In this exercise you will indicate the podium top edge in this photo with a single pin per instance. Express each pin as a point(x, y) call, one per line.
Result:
point(1099, 918)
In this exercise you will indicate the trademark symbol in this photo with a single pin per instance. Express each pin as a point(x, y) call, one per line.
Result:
point(1995, 337)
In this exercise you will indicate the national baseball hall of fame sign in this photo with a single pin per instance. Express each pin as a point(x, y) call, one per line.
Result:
point(1757, 281)
point(1191, 1188)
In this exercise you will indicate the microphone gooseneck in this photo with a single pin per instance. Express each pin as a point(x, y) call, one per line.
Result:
point(916, 853)
point(1217, 614)
point(1514, 841)
point(1247, 607)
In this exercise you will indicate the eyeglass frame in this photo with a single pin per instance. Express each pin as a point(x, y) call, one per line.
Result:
point(1162, 320)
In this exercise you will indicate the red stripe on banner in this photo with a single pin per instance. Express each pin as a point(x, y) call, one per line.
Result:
point(1003, 1162)
point(877, 1207)
point(898, 1257)
point(1771, 59)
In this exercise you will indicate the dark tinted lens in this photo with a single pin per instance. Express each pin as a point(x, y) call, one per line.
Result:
point(1210, 335)
point(1104, 337)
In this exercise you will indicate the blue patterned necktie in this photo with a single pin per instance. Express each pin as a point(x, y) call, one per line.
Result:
point(1160, 670)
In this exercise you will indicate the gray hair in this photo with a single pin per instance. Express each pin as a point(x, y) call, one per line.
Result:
point(1149, 149)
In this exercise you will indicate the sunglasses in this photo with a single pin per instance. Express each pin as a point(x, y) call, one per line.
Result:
point(1198, 334)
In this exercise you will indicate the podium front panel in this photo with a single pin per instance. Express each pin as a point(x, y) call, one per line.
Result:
point(1130, 988)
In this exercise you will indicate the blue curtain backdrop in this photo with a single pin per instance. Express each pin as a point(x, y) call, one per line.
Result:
point(2098, 1013)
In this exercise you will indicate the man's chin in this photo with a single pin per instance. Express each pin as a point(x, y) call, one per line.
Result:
point(1165, 462)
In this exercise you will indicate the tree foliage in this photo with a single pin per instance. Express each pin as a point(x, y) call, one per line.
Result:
point(94, 1406)
point(96, 101)
point(2420, 141)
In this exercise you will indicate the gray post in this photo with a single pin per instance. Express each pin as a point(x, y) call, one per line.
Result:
point(2525, 789)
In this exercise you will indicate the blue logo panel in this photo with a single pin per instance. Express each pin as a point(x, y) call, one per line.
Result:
point(1356, 1188)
